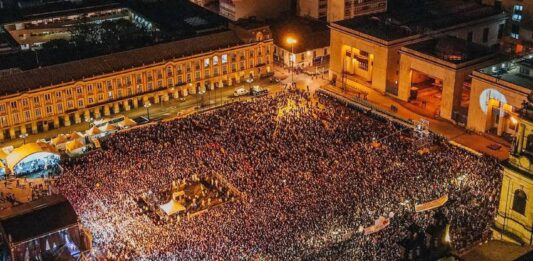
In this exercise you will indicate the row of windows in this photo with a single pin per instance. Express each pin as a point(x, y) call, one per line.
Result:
point(80, 103)
point(126, 81)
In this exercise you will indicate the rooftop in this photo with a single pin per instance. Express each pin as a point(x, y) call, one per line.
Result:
point(309, 34)
point(399, 23)
point(78, 70)
point(179, 18)
point(509, 71)
point(12, 12)
point(451, 49)
point(36, 218)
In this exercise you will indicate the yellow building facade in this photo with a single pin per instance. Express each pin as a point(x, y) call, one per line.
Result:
point(514, 221)
point(105, 85)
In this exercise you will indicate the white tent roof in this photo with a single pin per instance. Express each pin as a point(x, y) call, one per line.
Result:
point(172, 207)
point(127, 122)
point(93, 131)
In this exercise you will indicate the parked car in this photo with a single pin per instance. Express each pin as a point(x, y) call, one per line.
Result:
point(256, 90)
point(240, 92)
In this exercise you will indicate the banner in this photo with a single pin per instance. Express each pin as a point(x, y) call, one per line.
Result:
point(432, 204)
point(379, 225)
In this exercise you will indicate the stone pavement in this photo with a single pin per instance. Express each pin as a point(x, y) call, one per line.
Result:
point(477, 142)
point(495, 251)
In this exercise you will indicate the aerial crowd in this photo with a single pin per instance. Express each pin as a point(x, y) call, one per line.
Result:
point(312, 172)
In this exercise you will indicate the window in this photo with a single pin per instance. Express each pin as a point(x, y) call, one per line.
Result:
point(197, 75)
point(49, 109)
point(206, 62)
point(224, 58)
point(2, 107)
point(363, 65)
point(14, 105)
point(58, 94)
point(170, 82)
point(485, 35)
point(70, 104)
point(78, 90)
point(138, 78)
point(25, 102)
point(90, 88)
point(109, 85)
point(99, 87)
point(91, 100)
point(3, 121)
point(80, 103)
point(519, 201)
point(60, 107)
point(38, 112)
point(36, 100)
point(215, 60)
point(206, 73)
point(169, 71)
point(27, 115)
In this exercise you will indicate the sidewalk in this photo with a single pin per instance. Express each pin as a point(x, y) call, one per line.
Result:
point(445, 128)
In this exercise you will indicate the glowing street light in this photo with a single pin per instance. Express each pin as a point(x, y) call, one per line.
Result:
point(23, 136)
point(292, 57)
point(147, 105)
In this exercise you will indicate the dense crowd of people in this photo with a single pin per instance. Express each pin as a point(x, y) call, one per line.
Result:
point(313, 172)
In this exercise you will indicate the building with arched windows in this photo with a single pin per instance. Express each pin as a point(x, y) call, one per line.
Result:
point(514, 221)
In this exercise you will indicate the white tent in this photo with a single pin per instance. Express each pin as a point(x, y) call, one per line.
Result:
point(109, 128)
point(172, 207)
point(93, 131)
point(127, 123)
point(74, 145)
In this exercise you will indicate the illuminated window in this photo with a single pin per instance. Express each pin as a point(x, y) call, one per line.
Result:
point(224, 58)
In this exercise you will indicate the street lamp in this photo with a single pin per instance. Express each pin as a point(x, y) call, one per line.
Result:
point(292, 57)
point(147, 105)
point(23, 136)
point(90, 121)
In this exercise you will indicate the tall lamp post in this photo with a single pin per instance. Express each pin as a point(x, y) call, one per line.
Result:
point(292, 57)
point(23, 136)
point(147, 105)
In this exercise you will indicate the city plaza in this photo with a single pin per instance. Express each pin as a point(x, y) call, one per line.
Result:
point(314, 169)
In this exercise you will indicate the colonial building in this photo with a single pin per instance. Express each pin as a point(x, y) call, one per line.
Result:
point(514, 221)
point(310, 47)
point(73, 92)
point(497, 93)
point(371, 44)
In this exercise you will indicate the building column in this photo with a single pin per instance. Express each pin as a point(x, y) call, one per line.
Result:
point(126, 105)
point(165, 97)
point(156, 99)
point(66, 118)
point(211, 86)
point(184, 92)
point(2, 135)
point(107, 111)
point(176, 94)
point(23, 129)
point(77, 118)
point(116, 108)
point(12, 133)
point(34, 128)
point(97, 114)
point(86, 115)
point(135, 103)
point(56, 122)
point(45, 126)
point(501, 122)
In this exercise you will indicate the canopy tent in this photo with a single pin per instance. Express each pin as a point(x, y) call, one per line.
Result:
point(172, 207)
point(93, 131)
point(109, 127)
point(74, 145)
point(61, 138)
point(126, 123)
point(30, 151)
point(75, 135)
